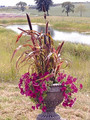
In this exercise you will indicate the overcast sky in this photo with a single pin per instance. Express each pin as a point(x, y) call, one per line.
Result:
point(31, 2)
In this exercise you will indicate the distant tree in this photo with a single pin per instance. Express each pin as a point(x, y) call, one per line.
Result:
point(67, 7)
point(81, 8)
point(46, 3)
point(21, 5)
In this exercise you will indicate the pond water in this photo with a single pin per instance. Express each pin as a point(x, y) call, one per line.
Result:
point(74, 37)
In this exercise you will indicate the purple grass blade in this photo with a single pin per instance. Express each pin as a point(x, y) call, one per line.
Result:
point(45, 42)
point(23, 30)
point(46, 27)
point(45, 16)
point(49, 39)
point(59, 48)
point(29, 21)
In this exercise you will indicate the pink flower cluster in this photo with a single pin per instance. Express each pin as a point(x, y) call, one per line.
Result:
point(68, 88)
point(36, 86)
point(29, 85)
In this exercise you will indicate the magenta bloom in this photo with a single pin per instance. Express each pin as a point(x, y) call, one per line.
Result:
point(36, 85)
point(74, 79)
point(61, 77)
point(33, 95)
point(69, 80)
point(44, 87)
point(37, 89)
point(22, 91)
point(44, 108)
point(33, 107)
point(65, 95)
point(63, 83)
point(20, 83)
point(63, 88)
point(72, 102)
point(74, 88)
point(25, 76)
point(29, 93)
point(65, 103)
point(81, 86)
point(37, 106)
point(40, 99)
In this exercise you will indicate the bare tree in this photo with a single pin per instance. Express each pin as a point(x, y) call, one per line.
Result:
point(81, 8)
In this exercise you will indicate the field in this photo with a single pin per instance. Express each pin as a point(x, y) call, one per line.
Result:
point(14, 106)
point(57, 19)
point(81, 24)
point(54, 11)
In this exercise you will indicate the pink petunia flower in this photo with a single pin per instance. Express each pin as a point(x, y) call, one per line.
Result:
point(44, 108)
point(37, 106)
point(33, 107)
point(81, 86)
point(63, 88)
point(22, 91)
point(40, 99)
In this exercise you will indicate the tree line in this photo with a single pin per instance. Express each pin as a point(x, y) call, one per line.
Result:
point(67, 7)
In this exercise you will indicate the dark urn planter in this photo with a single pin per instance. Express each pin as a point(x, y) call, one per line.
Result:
point(54, 98)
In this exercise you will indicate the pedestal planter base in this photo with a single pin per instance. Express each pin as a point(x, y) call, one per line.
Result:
point(48, 116)
point(54, 98)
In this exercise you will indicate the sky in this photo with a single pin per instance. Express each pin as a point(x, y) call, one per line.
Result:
point(31, 2)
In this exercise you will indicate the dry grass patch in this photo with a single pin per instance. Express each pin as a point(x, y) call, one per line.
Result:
point(14, 106)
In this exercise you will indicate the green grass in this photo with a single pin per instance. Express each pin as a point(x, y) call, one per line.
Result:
point(7, 45)
point(13, 21)
point(70, 23)
point(78, 57)
point(77, 54)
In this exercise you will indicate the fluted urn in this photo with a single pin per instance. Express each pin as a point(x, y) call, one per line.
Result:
point(54, 98)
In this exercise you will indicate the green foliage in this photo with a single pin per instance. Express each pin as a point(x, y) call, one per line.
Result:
point(45, 3)
point(67, 7)
point(22, 5)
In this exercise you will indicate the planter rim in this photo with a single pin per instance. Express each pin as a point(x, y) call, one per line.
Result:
point(56, 84)
point(54, 88)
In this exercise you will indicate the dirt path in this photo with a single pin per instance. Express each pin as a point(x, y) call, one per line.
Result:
point(14, 106)
point(11, 15)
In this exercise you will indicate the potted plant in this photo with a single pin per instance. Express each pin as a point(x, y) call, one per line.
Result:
point(44, 82)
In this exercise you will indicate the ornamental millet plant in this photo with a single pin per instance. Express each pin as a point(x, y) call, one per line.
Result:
point(44, 65)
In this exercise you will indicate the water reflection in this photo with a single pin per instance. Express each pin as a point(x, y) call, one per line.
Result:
point(74, 37)
point(42, 28)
